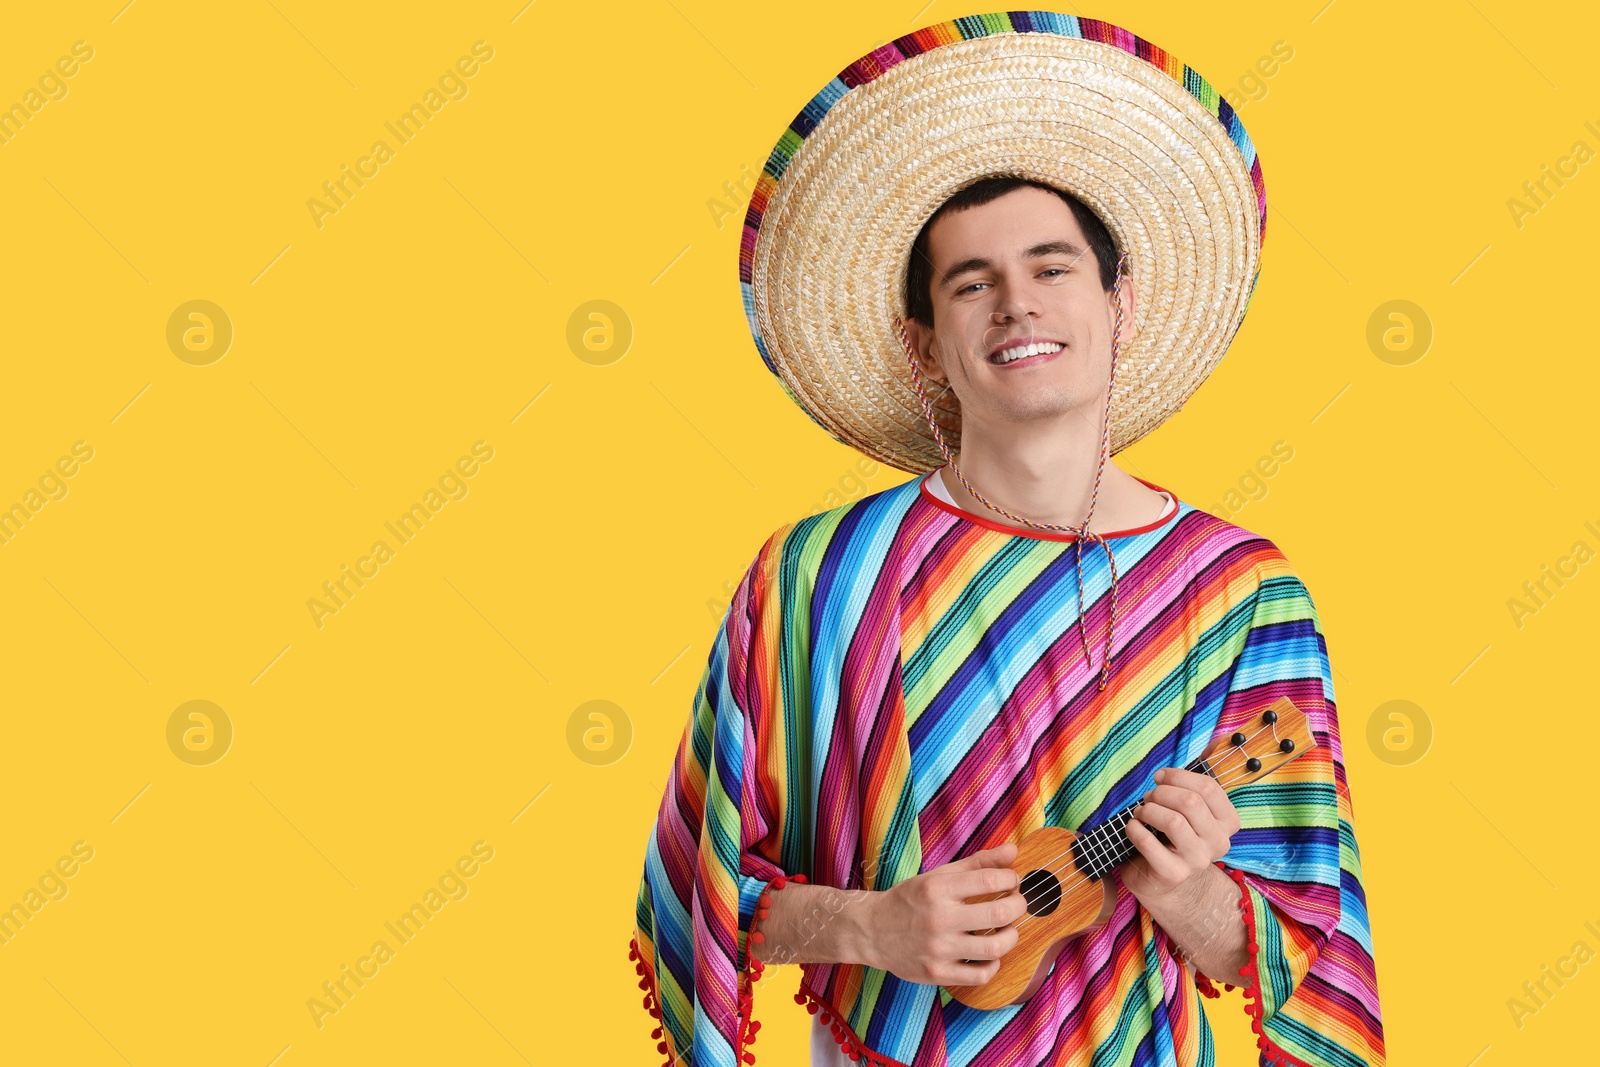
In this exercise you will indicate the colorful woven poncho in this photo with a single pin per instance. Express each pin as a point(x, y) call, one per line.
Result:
point(899, 683)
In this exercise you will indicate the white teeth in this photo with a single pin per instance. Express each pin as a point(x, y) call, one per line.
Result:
point(1023, 351)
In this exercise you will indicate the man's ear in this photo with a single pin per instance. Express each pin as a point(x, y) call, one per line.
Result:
point(922, 343)
point(1129, 302)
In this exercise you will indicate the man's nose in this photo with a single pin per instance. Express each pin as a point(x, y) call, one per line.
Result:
point(1013, 302)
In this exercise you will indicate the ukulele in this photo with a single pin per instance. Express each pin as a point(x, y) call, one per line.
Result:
point(1063, 874)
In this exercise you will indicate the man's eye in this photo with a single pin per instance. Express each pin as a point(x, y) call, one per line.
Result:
point(1048, 270)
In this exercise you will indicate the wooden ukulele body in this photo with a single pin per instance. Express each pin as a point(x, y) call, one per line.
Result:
point(1060, 906)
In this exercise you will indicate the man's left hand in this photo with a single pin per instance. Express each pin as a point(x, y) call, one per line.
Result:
point(1194, 813)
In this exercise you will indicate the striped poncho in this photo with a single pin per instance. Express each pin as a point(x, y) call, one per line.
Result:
point(899, 683)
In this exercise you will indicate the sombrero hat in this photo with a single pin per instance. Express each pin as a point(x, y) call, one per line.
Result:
point(1079, 104)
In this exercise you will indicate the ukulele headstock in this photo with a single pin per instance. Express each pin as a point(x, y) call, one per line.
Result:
point(1279, 733)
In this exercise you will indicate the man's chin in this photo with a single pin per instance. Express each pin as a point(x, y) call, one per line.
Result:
point(1038, 407)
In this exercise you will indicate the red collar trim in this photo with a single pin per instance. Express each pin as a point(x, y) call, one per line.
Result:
point(1045, 535)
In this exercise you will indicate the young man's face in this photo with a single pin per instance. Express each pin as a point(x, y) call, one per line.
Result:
point(1017, 270)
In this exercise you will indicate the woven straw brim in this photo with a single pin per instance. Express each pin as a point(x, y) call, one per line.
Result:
point(828, 267)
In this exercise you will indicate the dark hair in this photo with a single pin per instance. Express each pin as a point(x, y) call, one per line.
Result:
point(919, 272)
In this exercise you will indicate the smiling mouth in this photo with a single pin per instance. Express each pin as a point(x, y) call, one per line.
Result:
point(1023, 353)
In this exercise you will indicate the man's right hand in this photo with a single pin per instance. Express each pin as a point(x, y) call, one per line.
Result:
point(918, 929)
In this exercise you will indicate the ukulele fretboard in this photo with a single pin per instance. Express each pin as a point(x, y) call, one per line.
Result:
point(1098, 851)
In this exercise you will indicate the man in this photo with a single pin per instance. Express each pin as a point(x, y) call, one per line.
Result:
point(905, 686)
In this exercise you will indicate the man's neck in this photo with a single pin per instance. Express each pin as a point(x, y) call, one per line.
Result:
point(1052, 492)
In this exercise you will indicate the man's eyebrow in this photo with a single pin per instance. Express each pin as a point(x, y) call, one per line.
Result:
point(1044, 248)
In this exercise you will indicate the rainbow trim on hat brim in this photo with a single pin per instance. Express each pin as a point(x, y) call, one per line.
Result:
point(968, 28)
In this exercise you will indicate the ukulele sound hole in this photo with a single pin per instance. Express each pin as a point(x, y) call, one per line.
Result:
point(1042, 891)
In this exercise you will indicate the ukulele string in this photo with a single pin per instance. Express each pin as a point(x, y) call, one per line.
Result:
point(1093, 838)
point(1062, 888)
point(1124, 817)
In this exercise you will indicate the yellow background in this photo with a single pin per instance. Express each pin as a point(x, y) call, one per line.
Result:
point(591, 557)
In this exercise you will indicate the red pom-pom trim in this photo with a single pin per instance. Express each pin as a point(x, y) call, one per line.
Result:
point(848, 1040)
point(652, 1000)
point(849, 1043)
point(753, 968)
point(1271, 1053)
point(748, 1027)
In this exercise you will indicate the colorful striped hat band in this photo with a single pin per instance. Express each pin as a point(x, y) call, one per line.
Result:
point(1080, 105)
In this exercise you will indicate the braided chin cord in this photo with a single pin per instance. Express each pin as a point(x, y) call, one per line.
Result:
point(1082, 532)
